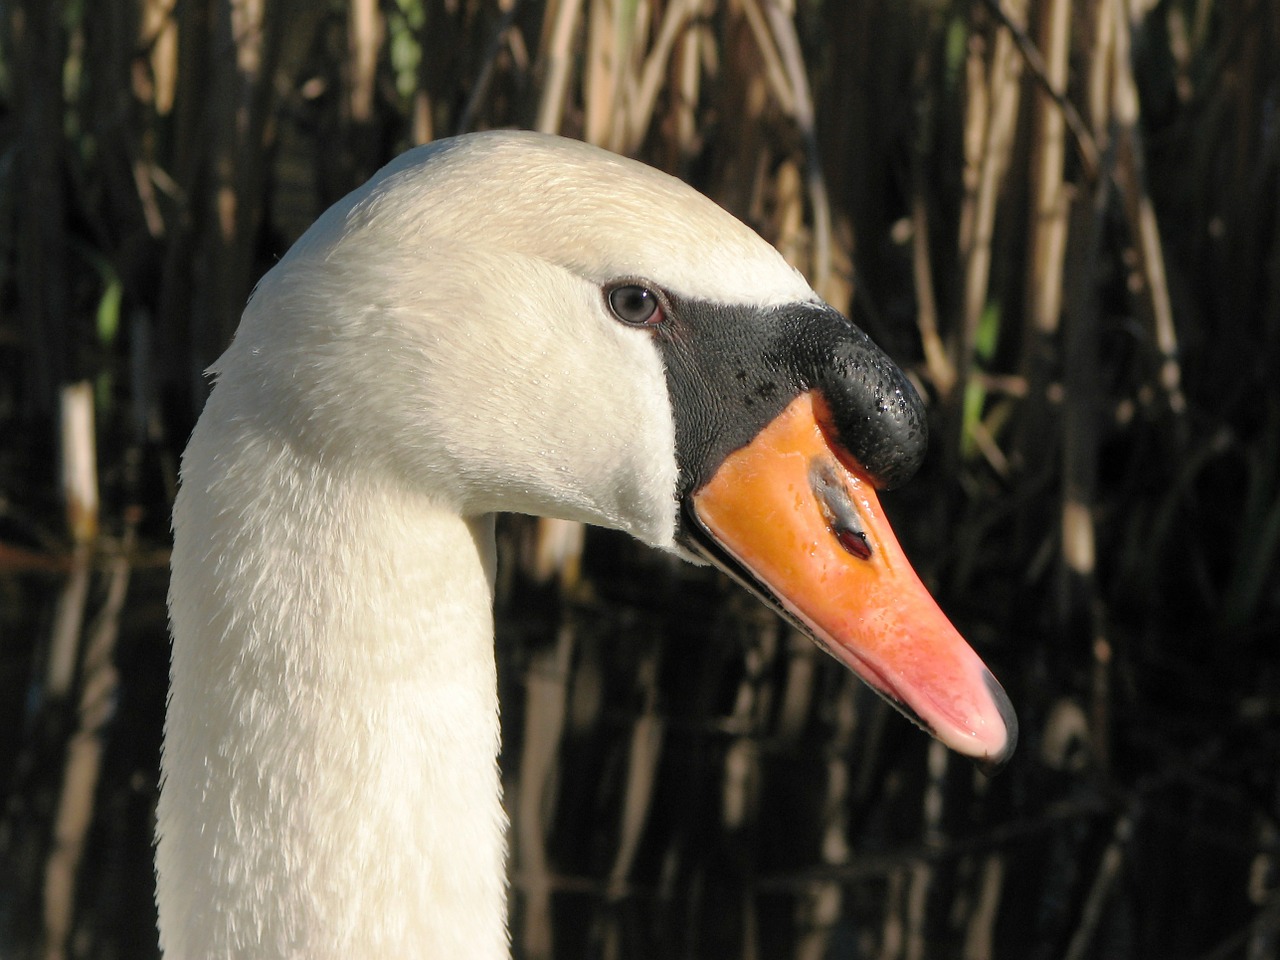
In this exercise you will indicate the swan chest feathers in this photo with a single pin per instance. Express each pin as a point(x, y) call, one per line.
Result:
point(498, 322)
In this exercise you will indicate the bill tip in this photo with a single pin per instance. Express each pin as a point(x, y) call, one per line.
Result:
point(992, 764)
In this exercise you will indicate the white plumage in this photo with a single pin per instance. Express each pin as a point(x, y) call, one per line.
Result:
point(433, 350)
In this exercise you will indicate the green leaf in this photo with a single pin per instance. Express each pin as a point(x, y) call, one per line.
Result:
point(109, 310)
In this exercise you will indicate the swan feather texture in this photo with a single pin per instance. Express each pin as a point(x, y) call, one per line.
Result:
point(435, 349)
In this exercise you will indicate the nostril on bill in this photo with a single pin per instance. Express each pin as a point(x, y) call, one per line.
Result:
point(837, 505)
point(854, 542)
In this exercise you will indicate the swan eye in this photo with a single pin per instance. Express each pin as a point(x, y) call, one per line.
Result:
point(637, 305)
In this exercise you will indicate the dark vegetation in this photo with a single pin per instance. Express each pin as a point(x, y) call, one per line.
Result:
point(1062, 218)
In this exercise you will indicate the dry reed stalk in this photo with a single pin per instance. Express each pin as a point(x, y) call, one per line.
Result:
point(98, 678)
point(977, 110)
point(917, 926)
point(782, 25)
point(607, 55)
point(739, 87)
point(421, 126)
point(787, 227)
point(980, 930)
point(1049, 198)
point(740, 784)
point(98, 692)
point(544, 722)
point(158, 34)
point(1049, 234)
point(991, 112)
point(648, 734)
point(770, 59)
point(1263, 933)
point(688, 56)
point(81, 506)
point(938, 365)
point(797, 697)
point(642, 91)
point(644, 751)
point(750, 929)
point(557, 551)
point(995, 139)
point(365, 31)
point(144, 181)
point(773, 32)
point(1055, 91)
point(556, 57)
point(892, 927)
point(821, 904)
point(1100, 80)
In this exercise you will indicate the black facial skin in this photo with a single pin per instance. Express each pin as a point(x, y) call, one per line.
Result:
point(731, 370)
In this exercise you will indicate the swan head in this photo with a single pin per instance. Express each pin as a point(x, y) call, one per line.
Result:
point(517, 322)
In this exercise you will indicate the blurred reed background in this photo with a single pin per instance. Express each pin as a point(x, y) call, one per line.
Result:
point(1062, 218)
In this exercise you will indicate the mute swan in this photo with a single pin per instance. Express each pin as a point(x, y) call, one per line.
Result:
point(497, 322)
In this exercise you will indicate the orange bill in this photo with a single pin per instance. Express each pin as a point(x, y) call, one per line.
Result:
point(794, 518)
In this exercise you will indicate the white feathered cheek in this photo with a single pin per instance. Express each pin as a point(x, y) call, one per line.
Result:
point(534, 396)
point(605, 413)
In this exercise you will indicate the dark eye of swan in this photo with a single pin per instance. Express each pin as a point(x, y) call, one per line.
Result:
point(634, 304)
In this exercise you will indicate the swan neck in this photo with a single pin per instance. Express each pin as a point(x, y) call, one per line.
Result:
point(330, 784)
